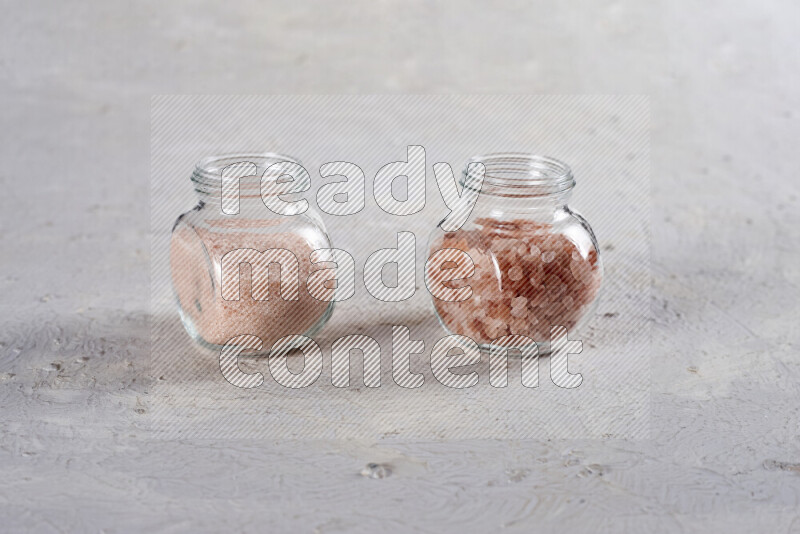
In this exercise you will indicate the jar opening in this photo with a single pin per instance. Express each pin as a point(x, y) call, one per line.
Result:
point(523, 175)
point(249, 167)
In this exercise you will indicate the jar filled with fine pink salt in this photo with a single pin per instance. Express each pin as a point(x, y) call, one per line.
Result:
point(241, 259)
point(536, 263)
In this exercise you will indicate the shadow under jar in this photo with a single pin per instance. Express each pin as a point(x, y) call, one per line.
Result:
point(536, 262)
point(222, 240)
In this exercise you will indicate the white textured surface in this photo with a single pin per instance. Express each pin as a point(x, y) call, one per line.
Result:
point(76, 85)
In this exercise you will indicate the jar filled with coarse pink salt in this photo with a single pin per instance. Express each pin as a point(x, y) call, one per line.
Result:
point(529, 261)
point(241, 259)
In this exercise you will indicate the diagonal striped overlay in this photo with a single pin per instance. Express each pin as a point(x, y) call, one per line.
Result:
point(604, 138)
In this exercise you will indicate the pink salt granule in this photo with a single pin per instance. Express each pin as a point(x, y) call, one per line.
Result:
point(527, 278)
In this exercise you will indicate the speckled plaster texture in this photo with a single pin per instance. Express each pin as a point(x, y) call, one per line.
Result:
point(75, 448)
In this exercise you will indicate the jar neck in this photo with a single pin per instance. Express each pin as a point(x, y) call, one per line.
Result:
point(521, 183)
point(231, 185)
point(535, 208)
point(248, 207)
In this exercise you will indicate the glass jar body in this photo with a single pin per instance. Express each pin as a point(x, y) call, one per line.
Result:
point(234, 274)
point(536, 266)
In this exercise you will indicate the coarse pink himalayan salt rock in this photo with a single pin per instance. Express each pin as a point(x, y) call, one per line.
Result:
point(526, 280)
point(196, 280)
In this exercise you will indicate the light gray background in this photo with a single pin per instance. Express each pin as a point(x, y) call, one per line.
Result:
point(76, 85)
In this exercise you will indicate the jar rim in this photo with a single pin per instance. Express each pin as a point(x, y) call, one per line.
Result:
point(207, 175)
point(521, 174)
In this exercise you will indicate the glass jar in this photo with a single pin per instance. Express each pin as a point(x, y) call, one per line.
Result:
point(536, 262)
point(224, 286)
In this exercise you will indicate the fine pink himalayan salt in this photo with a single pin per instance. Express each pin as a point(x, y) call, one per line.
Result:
point(195, 262)
point(527, 278)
